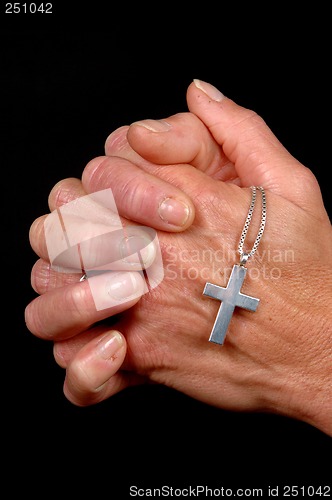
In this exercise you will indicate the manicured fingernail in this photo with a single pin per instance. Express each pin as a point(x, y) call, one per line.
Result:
point(174, 212)
point(154, 125)
point(209, 90)
point(123, 285)
point(109, 345)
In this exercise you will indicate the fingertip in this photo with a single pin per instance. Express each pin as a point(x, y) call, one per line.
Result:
point(177, 214)
point(65, 191)
point(119, 290)
point(149, 139)
point(90, 169)
point(165, 141)
point(111, 347)
point(151, 126)
point(60, 354)
point(210, 90)
point(36, 230)
point(93, 375)
point(116, 140)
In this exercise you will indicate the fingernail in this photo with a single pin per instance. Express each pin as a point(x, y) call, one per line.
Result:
point(109, 345)
point(111, 289)
point(174, 212)
point(137, 250)
point(154, 125)
point(123, 285)
point(209, 90)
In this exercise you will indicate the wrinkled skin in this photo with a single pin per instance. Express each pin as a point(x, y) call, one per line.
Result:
point(277, 359)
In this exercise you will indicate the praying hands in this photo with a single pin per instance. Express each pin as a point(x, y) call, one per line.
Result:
point(189, 178)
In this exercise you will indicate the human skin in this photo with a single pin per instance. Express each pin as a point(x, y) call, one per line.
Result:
point(277, 359)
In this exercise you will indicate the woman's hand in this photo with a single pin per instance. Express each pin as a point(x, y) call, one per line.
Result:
point(277, 359)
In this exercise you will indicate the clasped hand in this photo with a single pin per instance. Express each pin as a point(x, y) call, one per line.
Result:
point(188, 177)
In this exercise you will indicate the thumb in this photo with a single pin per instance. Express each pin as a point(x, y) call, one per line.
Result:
point(258, 156)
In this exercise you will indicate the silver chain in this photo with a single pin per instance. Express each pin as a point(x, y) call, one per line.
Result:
point(244, 256)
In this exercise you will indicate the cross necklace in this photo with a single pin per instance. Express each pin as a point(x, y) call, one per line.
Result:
point(231, 296)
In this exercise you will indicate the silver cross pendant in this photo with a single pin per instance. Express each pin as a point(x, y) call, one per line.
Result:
point(230, 298)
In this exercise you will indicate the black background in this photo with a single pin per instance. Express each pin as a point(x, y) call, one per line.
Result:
point(67, 82)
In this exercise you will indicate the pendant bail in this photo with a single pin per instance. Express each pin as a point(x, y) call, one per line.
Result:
point(243, 259)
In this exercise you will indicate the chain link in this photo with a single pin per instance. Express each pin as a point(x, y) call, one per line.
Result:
point(245, 256)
